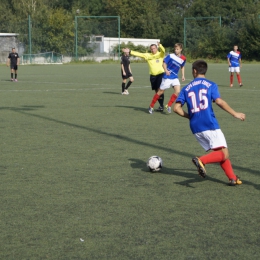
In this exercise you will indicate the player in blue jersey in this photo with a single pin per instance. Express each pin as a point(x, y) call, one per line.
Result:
point(198, 95)
point(234, 63)
point(172, 63)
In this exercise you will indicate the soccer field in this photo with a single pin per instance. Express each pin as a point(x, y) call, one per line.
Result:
point(73, 177)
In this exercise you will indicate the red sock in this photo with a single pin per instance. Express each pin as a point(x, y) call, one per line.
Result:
point(213, 157)
point(227, 168)
point(239, 78)
point(231, 79)
point(154, 100)
point(172, 99)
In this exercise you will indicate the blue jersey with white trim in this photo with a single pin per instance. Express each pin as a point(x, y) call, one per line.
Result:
point(198, 95)
point(234, 58)
point(174, 63)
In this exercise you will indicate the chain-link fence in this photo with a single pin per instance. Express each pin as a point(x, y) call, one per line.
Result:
point(88, 38)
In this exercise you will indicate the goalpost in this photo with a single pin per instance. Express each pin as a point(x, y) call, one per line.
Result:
point(90, 32)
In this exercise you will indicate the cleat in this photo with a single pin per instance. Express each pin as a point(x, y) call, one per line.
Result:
point(126, 92)
point(150, 110)
point(15, 80)
point(240, 85)
point(235, 182)
point(169, 109)
point(12, 80)
point(231, 85)
point(159, 109)
point(200, 167)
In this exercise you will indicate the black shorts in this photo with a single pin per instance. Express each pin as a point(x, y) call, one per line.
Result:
point(156, 81)
point(13, 67)
point(128, 75)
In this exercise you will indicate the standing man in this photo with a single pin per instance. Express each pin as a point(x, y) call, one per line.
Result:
point(126, 73)
point(172, 63)
point(234, 63)
point(13, 60)
point(155, 62)
point(198, 95)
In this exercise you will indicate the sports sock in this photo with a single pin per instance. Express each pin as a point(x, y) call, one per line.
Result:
point(213, 157)
point(15, 76)
point(231, 79)
point(239, 78)
point(172, 99)
point(154, 100)
point(12, 75)
point(160, 100)
point(128, 84)
point(123, 87)
point(227, 168)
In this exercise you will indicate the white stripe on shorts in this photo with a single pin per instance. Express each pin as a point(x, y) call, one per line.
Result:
point(211, 139)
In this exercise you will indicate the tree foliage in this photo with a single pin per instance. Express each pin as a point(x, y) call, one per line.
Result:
point(53, 23)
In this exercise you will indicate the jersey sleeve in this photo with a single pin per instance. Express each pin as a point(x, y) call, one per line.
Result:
point(139, 54)
point(181, 98)
point(162, 51)
point(214, 92)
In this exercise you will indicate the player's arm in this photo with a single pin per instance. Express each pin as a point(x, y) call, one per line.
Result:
point(228, 60)
point(123, 69)
point(8, 62)
point(129, 68)
point(224, 105)
point(139, 54)
point(178, 110)
point(240, 63)
point(162, 50)
point(167, 72)
point(182, 73)
point(18, 61)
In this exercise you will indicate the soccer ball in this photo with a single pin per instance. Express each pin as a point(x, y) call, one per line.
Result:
point(154, 163)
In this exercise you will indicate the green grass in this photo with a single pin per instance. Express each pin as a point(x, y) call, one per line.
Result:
point(73, 176)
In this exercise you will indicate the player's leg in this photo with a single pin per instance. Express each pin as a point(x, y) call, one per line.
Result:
point(123, 84)
point(131, 80)
point(173, 97)
point(239, 77)
point(15, 73)
point(161, 99)
point(165, 84)
point(154, 100)
point(231, 78)
point(12, 72)
point(215, 140)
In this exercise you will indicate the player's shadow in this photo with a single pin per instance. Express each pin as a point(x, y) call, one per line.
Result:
point(112, 92)
point(145, 110)
point(22, 108)
point(191, 177)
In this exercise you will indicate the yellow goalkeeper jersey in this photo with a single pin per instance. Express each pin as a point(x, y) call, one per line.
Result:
point(155, 61)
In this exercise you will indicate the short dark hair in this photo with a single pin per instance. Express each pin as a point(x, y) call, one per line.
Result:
point(153, 45)
point(200, 66)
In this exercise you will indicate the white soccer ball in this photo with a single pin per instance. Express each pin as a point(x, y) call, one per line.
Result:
point(154, 163)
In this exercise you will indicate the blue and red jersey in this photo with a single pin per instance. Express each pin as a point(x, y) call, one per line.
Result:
point(234, 58)
point(198, 95)
point(174, 63)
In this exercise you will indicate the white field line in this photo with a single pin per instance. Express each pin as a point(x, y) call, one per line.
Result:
point(100, 87)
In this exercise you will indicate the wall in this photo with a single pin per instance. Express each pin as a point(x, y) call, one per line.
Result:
point(7, 42)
